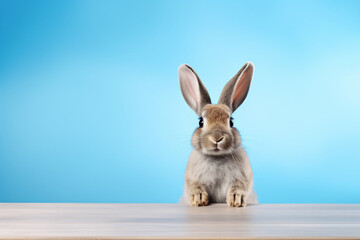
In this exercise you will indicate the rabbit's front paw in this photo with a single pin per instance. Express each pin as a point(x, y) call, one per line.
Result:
point(236, 199)
point(199, 199)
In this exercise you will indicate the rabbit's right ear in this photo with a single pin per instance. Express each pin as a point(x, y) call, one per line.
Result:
point(193, 89)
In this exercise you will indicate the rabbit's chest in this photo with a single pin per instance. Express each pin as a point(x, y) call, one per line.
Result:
point(218, 177)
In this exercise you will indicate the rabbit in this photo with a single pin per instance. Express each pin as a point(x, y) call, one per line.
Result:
point(218, 170)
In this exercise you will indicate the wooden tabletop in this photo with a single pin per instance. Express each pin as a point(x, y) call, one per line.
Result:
point(175, 221)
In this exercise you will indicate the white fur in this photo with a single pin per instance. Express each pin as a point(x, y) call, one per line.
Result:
point(219, 174)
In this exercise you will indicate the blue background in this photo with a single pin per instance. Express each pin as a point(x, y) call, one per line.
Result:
point(91, 109)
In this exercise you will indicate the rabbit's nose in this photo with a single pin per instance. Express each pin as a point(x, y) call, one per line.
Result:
point(217, 137)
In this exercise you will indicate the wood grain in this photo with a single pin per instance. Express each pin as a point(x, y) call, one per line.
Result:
point(175, 221)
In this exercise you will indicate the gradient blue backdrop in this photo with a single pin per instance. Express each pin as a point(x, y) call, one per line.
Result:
point(91, 110)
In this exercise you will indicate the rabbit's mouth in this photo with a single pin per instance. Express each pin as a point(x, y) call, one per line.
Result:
point(216, 151)
point(216, 143)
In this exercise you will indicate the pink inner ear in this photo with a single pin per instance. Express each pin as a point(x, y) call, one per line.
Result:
point(239, 92)
point(242, 87)
point(190, 87)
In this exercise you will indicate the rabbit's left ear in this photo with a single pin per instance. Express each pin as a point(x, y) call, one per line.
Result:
point(236, 90)
point(193, 89)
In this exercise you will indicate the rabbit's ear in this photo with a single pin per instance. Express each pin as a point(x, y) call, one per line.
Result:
point(193, 89)
point(236, 90)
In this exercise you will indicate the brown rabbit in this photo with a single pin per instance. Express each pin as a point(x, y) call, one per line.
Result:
point(218, 169)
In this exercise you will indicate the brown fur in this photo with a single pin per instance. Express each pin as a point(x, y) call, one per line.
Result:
point(217, 114)
point(218, 169)
point(216, 127)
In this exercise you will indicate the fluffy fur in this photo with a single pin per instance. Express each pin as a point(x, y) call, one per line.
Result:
point(218, 169)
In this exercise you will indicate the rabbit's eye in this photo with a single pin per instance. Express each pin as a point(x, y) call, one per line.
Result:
point(231, 122)
point(201, 122)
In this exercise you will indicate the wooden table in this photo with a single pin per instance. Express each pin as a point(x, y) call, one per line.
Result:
point(175, 221)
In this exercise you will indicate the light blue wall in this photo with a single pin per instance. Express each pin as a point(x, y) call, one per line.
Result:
point(91, 110)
